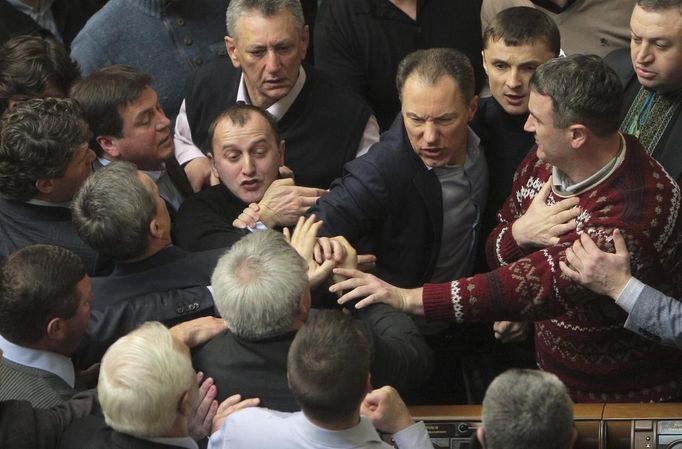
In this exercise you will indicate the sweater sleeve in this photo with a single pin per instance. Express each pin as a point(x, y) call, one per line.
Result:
point(531, 288)
point(501, 248)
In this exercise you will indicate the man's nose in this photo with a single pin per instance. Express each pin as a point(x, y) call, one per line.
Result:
point(430, 132)
point(273, 61)
point(514, 79)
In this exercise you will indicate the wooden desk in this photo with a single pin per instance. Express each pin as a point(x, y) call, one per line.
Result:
point(600, 426)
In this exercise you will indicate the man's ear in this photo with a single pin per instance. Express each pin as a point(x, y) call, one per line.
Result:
point(485, 66)
point(56, 329)
point(44, 186)
point(185, 404)
point(232, 52)
point(109, 147)
point(280, 148)
point(155, 229)
point(480, 436)
point(214, 170)
point(471, 110)
point(578, 135)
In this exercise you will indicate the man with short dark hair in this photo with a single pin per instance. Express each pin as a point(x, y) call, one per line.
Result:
point(128, 124)
point(34, 67)
point(515, 43)
point(574, 104)
point(529, 409)
point(246, 153)
point(416, 199)
point(587, 26)
point(44, 159)
point(45, 299)
point(323, 124)
point(262, 291)
point(651, 73)
point(328, 371)
point(120, 213)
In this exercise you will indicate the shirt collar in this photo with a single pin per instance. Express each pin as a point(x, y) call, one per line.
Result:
point(156, 174)
point(186, 442)
point(57, 364)
point(562, 185)
point(280, 107)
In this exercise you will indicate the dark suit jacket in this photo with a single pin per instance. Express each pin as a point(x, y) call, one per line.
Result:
point(669, 149)
point(389, 204)
point(92, 433)
point(169, 287)
point(400, 357)
point(24, 427)
point(23, 224)
point(171, 269)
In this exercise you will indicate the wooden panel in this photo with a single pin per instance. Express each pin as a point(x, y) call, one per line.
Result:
point(670, 410)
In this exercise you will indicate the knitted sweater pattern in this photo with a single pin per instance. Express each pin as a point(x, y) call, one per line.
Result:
point(579, 335)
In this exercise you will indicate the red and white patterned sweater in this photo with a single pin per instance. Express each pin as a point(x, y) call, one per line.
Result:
point(579, 336)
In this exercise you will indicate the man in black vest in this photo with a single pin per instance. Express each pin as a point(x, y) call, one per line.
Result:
point(651, 74)
point(323, 124)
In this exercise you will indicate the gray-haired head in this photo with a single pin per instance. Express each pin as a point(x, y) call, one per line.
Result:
point(584, 90)
point(258, 285)
point(266, 8)
point(527, 409)
point(429, 65)
point(113, 211)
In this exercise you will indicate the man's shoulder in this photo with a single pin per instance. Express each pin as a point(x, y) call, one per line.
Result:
point(12, 210)
point(257, 427)
point(41, 388)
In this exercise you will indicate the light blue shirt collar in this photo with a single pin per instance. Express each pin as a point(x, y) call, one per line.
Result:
point(49, 361)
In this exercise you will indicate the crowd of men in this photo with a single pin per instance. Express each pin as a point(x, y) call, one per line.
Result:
point(310, 234)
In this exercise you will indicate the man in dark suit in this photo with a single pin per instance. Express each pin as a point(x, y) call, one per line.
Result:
point(148, 393)
point(262, 292)
point(128, 124)
point(44, 159)
point(120, 213)
point(651, 73)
